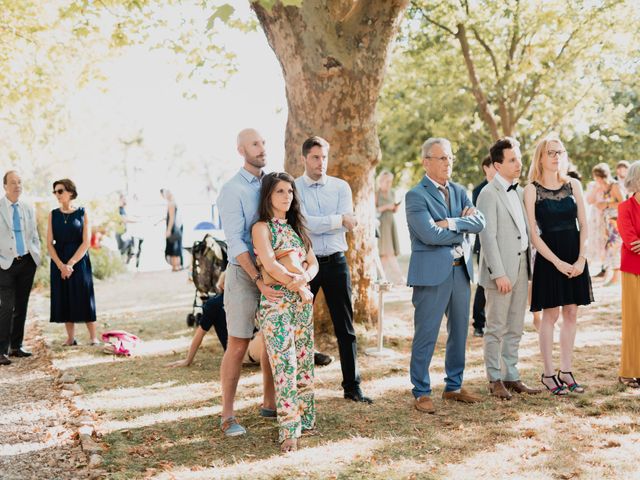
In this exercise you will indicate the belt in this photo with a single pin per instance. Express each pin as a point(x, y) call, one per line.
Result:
point(21, 257)
point(330, 258)
point(457, 262)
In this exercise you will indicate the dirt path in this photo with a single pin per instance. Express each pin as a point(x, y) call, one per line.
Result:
point(38, 434)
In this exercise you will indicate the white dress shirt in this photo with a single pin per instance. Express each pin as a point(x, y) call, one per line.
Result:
point(7, 205)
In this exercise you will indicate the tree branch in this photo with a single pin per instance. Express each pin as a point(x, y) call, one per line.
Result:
point(481, 99)
point(488, 49)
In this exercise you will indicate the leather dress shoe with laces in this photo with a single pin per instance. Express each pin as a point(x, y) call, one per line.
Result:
point(20, 352)
point(4, 360)
point(357, 396)
point(498, 390)
point(520, 387)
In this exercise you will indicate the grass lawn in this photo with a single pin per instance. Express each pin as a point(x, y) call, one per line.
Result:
point(163, 423)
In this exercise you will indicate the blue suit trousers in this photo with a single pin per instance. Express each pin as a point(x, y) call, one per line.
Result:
point(431, 303)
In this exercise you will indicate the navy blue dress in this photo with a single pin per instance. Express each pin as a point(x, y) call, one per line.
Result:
point(72, 300)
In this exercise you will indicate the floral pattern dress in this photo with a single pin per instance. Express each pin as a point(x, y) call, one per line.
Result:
point(613, 240)
point(287, 326)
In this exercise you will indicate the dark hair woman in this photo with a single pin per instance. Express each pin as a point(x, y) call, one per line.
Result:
point(68, 241)
point(287, 323)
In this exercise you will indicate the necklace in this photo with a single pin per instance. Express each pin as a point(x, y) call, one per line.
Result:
point(65, 216)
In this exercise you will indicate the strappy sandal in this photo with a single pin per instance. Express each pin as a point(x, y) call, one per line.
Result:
point(558, 390)
point(574, 386)
point(289, 445)
point(629, 382)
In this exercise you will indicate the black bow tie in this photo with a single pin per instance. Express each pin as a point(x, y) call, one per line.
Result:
point(512, 187)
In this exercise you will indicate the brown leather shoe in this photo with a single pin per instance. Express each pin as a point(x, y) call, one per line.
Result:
point(462, 396)
point(520, 387)
point(424, 404)
point(498, 390)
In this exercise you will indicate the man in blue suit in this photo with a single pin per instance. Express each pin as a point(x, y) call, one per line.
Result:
point(440, 217)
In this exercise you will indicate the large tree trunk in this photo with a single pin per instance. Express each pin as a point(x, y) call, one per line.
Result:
point(333, 55)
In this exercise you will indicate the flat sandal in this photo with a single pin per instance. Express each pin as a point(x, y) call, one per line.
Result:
point(629, 382)
point(289, 445)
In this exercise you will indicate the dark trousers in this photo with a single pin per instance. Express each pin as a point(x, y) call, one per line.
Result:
point(479, 302)
point(15, 287)
point(335, 280)
point(213, 314)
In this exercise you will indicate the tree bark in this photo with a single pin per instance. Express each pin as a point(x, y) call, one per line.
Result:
point(333, 56)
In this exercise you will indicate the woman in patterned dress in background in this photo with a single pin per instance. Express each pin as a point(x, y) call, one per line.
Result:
point(287, 324)
point(608, 207)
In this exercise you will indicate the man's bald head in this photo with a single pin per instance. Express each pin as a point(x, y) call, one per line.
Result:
point(251, 146)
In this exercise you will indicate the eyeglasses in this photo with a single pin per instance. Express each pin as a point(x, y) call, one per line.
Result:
point(555, 153)
point(446, 158)
point(59, 191)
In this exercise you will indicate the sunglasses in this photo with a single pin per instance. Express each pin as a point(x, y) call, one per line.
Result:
point(59, 191)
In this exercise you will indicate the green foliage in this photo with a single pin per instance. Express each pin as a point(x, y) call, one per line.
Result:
point(105, 263)
point(541, 66)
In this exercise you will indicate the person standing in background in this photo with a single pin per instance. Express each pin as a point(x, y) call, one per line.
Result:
point(173, 233)
point(608, 206)
point(388, 243)
point(622, 169)
point(68, 242)
point(19, 258)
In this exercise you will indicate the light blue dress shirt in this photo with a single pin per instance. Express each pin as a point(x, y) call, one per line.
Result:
point(323, 204)
point(238, 205)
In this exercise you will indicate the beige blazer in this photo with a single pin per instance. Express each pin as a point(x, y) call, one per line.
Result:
point(501, 246)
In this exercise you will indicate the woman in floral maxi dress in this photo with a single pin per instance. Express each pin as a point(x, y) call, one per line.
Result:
point(287, 323)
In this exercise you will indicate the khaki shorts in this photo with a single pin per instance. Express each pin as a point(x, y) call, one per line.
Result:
point(241, 298)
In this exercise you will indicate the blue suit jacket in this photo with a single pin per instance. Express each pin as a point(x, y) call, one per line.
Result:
point(432, 247)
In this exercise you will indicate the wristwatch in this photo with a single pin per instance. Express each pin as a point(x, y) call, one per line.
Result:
point(257, 277)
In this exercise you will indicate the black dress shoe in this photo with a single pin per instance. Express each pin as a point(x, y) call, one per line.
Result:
point(357, 396)
point(321, 359)
point(4, 360)
point(19, 353)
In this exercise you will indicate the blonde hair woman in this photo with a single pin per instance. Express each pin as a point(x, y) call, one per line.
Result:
point(558, 229)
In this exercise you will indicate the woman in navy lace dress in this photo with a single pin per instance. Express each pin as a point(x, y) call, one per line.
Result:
point(68, 241)
point(561, 282)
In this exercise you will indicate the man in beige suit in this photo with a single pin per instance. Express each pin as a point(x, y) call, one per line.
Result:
point(504, 269)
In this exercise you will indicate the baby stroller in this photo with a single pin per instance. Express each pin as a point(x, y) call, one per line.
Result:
point(208, 261)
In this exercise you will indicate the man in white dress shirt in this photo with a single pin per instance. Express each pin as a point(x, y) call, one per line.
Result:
point(19, 258)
